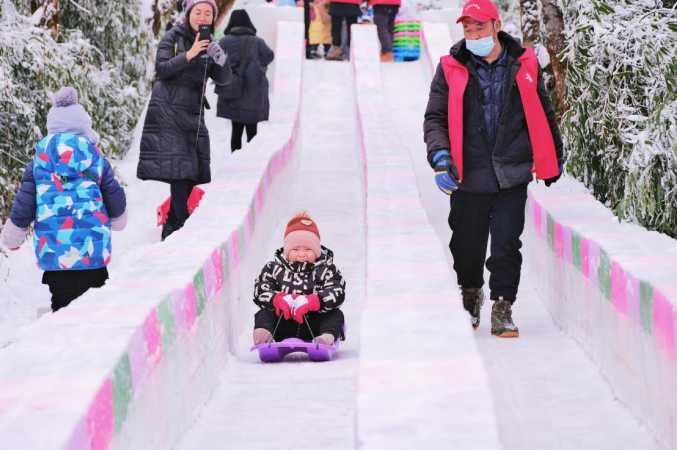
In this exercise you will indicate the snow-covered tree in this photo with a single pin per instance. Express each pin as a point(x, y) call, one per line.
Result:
point(107, 67)
point(621, 90)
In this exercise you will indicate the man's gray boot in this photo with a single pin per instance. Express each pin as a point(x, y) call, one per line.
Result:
point(473, 299)
point(501, 319)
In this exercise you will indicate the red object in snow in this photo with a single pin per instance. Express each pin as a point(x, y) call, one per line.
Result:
point(193, 202)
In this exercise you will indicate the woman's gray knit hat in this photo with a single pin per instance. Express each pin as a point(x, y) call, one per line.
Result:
point(188, 5)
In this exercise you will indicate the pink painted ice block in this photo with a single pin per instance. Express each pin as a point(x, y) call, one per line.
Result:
point(218, 266)
point(151, 331)
point(664, 323)
point(259, 198)
point(538, 218)
point(619, 288)
point(185, 309)
point(234, 253)
point(212, 271)
point(100, 417)
point(566, 240)
point(593, 261)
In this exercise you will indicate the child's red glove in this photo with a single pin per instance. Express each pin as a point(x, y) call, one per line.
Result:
point(283, 303)
point(305, 304)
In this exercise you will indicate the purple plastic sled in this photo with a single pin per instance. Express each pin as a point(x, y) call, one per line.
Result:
point(276, 351)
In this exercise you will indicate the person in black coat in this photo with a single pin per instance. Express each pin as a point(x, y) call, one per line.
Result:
point(253, 105)
point(488, 126)
point(175, 142)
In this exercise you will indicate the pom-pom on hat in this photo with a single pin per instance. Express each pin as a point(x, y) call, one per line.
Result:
point(65, 96)
point(302, 230)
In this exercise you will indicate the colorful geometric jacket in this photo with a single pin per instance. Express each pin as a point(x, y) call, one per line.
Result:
point(72, 216)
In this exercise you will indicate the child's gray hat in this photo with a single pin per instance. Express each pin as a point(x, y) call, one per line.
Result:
point(65, 96)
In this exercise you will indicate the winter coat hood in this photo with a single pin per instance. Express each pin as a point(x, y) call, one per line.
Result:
point(71, 119)
point(239, 19)
point(72, 156)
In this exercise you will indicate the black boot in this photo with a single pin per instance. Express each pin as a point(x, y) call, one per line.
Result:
point(168, 228)
point(473, 299)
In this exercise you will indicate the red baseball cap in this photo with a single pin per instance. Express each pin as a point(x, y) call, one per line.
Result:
point(480, 10)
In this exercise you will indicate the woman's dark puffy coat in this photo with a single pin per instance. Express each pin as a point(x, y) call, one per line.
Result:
point(254, 105)
point(171, 148)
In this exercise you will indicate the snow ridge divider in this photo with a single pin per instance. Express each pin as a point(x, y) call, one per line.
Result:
point(595, 283)
point(408, 369)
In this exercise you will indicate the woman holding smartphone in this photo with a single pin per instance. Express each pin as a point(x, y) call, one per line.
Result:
point(175, 143)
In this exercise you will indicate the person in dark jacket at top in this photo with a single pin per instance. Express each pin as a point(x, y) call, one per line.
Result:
point(175, 141)
point(70, 194)
point(489, 124)
point(249, 56)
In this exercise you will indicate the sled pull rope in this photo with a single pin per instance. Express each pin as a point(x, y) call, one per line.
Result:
point(276, 325)
point(309, 329)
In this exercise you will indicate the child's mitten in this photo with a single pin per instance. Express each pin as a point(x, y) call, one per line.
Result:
point(304, 304)
point(283, 304)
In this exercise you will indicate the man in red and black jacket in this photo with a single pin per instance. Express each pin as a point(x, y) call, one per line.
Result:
point(489, 127)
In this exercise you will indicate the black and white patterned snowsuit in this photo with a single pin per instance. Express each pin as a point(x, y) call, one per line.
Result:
point(321, 278)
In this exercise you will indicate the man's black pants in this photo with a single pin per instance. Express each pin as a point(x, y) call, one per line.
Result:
point(473, 217)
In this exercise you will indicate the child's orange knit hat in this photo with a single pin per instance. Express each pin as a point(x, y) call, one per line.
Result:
point(302, 230)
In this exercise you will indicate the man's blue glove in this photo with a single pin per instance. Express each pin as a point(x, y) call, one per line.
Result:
point(549, 181)
point(445, 172)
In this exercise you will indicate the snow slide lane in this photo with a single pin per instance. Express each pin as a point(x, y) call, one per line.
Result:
point(547, 393)
point(303, 405)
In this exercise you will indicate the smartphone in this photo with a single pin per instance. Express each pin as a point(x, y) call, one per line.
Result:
point(205, 32)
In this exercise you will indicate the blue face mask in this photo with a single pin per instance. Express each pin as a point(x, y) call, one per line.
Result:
point(480, 47)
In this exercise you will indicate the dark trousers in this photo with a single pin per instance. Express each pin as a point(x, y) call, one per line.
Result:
point(329, 322)
point(336, 24)
point(67, 285)
point(238, 131)
point(384, 18)
point(178, 209)
point(473, 217)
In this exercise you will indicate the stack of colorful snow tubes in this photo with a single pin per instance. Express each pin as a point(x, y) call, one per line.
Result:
point(407, 40)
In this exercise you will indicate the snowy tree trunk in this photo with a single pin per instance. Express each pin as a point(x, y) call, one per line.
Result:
point(531, 23)
point(555, 43)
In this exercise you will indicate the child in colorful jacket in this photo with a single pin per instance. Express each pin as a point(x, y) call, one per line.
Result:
point(300, 291)
point(69, 191)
